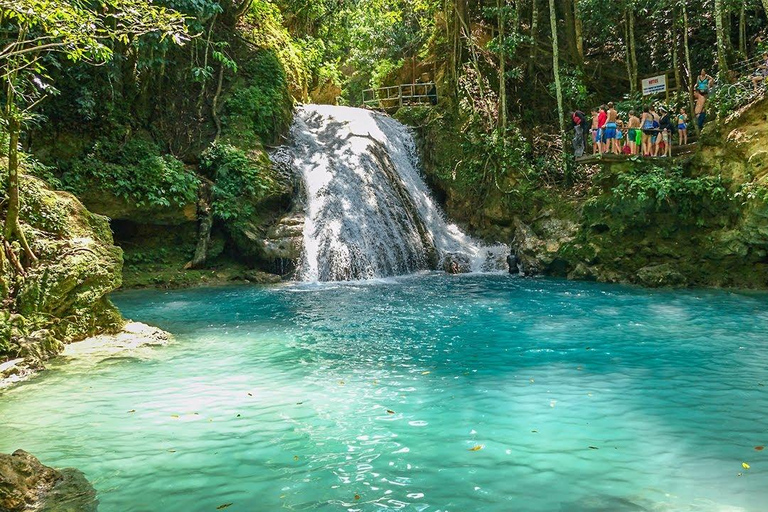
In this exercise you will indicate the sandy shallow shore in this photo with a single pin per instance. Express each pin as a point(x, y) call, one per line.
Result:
point(136, 339)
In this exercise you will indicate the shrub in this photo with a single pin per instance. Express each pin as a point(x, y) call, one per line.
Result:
point(135, 171)
point(240, 180)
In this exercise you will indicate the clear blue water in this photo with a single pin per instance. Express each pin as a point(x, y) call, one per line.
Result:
point(581, 397)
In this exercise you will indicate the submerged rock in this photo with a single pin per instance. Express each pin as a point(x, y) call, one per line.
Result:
point(27, 484)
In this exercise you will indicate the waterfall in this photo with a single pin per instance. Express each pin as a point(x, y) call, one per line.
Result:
point(369, 214)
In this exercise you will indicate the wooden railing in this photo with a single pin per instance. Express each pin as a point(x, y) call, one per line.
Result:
point(398, 95)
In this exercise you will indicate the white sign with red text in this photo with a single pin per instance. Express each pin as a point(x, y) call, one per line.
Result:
point(654, 85)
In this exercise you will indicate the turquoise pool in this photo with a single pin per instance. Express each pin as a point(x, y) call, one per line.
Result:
point(427, 393)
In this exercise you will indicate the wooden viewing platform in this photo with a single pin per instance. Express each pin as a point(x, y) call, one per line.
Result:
point(424, 93)
point(677, 152)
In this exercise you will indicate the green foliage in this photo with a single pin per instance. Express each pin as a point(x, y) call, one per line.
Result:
point(752, 191)
point(135, 171)
point(240, 180)
point(644, 190)
point(263, 108)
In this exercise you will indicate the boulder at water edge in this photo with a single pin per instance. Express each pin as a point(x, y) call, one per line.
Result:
point(27, 484)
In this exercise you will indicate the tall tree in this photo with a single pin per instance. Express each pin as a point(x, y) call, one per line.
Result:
point(556, 70)
point(631, 46)
point(501, 7)
point(690, 74)
point(743, 29)
point(579, 27)
point(722, 60)
point(535, 36)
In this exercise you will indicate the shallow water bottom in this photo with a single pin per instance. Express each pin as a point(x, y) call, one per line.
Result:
point(426, 393)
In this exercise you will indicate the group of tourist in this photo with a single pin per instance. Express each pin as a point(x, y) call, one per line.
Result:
point(648, 133)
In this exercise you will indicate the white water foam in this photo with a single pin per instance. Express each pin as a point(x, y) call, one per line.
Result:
point(369, 213)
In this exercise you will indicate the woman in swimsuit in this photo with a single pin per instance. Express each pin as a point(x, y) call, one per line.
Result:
point(682, 126)
point(704, 82)
point(646, 123)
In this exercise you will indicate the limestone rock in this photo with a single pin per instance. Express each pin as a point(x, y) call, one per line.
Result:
point(64, 296)
point(660, 275)
point(114, 207)
point(27, 484)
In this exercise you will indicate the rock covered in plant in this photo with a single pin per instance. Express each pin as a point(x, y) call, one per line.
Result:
point(63, 297)
point(27, 484)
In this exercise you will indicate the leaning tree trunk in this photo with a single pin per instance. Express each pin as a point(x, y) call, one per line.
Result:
point(722, 60)
point(12, 230)
point(558, 87)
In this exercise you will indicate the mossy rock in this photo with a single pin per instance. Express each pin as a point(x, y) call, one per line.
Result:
point(63, 297)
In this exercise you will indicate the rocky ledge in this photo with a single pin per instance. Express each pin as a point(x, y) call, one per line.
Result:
point(27, 484)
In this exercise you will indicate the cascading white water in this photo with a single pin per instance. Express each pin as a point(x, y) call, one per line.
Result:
point(368, 212)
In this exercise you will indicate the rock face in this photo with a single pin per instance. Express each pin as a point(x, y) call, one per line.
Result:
point(63, 297)
point(118, 208)
point(27, 484)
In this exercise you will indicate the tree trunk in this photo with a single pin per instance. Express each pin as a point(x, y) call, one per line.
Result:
point(690, 75)
point(629, 53)
point(676, 51)
point(502, 68)
point(722, 60)
point(743, 30)
point(632, 49)
point(12, 228)
point(570, 30)
point(558, 87)
point(535, 36)
point(765, 6)
point(204, 227)
point(579, 30)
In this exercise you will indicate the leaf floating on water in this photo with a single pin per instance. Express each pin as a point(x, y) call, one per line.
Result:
point(299, 403)
point(425, 373)
point(174, 415)
point(531, 381)
point(250, 394)
point(295, 457)
point(745, 465)
point(341, 383)
point(390, 411)
point(225, 505)
point(594, 448)
point(535, 431)
point(171, 451)
point(759, 448)
point(238, 415)
point(132, 410)
point(357, 496)
point(476, 448)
